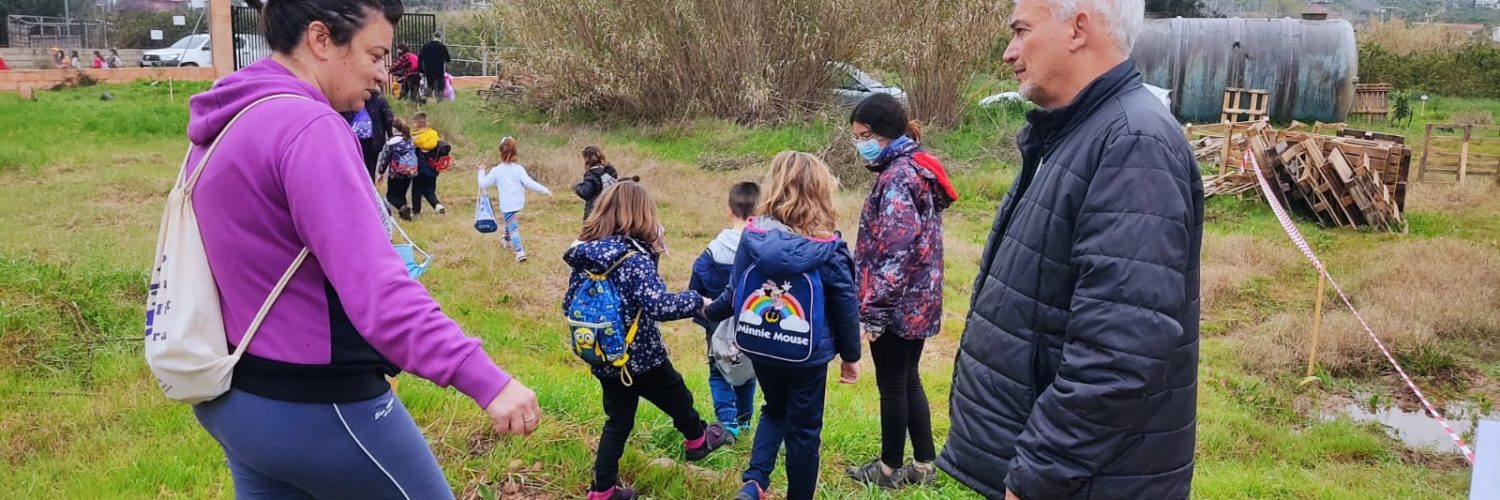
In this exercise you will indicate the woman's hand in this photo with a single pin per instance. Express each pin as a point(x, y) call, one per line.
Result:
point(514, 410)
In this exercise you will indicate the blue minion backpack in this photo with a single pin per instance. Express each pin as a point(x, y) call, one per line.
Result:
point(596, 323)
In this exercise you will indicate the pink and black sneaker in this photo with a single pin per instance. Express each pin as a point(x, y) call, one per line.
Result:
point(613, 493)
point(714, 436)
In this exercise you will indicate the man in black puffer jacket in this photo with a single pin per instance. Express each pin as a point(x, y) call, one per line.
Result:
point(1076, 376)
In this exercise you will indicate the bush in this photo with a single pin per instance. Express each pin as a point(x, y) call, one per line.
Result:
point(752, 60)
point(937, 48)
point(1470, 71)
point(131, 28)
point(1399, 37)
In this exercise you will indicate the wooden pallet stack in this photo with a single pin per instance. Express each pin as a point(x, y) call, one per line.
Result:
point(1337, 181)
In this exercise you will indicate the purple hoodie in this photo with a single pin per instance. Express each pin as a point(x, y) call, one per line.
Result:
point(289, 175)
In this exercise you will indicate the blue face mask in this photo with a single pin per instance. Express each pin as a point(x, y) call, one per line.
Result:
point(869, 149)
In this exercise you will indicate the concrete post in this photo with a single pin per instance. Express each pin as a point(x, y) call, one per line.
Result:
point(221, 33)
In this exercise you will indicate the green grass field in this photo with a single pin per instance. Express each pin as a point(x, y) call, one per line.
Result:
point(86, 180)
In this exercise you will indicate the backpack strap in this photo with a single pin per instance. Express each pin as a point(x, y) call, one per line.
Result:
point(635, 326)
point(621, 260)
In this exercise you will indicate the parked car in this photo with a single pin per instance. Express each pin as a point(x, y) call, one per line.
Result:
point(196, 51)
point(852, 85)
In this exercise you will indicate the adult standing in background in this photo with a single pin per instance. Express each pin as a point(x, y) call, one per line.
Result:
point(434, 64)
point(405, 71)
point(1076, 376)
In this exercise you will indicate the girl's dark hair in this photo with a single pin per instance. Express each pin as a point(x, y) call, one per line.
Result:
point(886, 117)
point(593, 157)
point(401, 127)
point(401, 48)
point(285, 21)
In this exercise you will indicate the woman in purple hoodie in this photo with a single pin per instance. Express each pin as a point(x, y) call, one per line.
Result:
point(310, 413)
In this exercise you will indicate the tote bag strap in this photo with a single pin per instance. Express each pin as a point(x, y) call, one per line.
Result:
point(192, 181)
point(265, 308)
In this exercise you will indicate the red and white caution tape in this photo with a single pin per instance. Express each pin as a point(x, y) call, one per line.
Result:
point(1296, 236)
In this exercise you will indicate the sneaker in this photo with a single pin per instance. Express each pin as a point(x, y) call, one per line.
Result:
point(521, 257)
point(871, 473)
point(713, 438)
point(750, 491)
point(919, 473)
point(405, 213)
point(614, 493)
point(441, 209)
point(734, 433)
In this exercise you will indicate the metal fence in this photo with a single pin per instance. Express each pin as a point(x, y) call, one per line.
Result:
point(246, 21)
point(43, 31)
point(415, 30)
point(478, 60)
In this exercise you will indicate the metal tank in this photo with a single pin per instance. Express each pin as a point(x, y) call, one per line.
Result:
point(1308, 66)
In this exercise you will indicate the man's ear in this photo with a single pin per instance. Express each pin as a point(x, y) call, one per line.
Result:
point(1083, 28)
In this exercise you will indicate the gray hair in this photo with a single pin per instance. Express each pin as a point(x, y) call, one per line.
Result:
point(1124, 17)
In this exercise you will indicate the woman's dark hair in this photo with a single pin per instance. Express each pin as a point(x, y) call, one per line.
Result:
point(401, 48)
point(886, 117)
point(593, 157)
point(285, 21)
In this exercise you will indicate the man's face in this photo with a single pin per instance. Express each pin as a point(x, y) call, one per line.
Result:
point(1040, 51)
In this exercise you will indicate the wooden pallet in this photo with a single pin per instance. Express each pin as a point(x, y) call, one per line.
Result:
point(1371, 100)
point(1348, 182)
point(1242, 105)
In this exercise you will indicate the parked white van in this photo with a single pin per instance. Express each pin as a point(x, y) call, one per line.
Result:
point(196, 51)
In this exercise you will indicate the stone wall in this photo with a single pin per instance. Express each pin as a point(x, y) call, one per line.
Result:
point(39, 79)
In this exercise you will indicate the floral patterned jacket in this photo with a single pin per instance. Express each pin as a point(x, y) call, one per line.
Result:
point(899, 253)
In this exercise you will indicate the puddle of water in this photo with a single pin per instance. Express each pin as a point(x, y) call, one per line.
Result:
point(1415, 427)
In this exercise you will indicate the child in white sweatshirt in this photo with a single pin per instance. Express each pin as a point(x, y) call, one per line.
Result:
point(511, 182)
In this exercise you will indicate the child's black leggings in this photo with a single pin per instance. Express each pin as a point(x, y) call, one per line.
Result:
point(663, 387)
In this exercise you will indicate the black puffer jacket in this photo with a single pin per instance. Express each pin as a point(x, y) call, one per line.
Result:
point(595, 179)
point(1076, 376)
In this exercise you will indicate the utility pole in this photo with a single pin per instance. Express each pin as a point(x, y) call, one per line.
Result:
point(67, 18)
